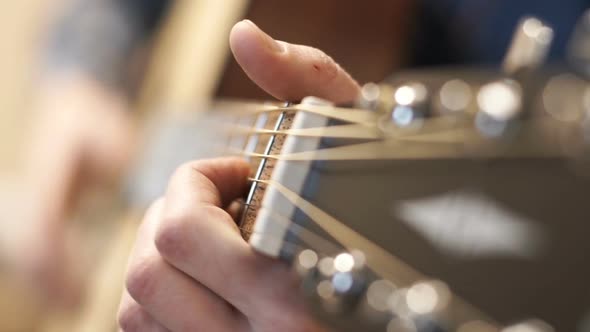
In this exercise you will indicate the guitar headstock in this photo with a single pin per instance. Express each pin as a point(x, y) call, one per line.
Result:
point(526, 102)
point(447, 200)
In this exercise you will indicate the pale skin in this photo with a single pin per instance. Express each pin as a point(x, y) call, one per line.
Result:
point(83, 137)
point(190, 269)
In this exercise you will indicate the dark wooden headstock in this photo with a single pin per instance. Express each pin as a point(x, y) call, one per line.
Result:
point(450, 200)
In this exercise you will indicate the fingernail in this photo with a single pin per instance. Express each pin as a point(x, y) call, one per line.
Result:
point(270, 43)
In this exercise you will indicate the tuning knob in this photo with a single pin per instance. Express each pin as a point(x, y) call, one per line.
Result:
point(534, 325)
point(529, 47)
point(499, 106)
point(337, 283)
point(305, 262)
point(370, 97)
point(411, 104)
point(579, 45)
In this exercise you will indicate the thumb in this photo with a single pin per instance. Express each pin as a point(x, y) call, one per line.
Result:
point(287, 71)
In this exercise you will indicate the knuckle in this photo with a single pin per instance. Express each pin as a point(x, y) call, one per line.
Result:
point(184, 170)
point(131, 318)
point(197, 173)
point(170, 238)
point(142, 279)
point(156, 207)
point(188, 170)
point(177, 236)
point(213, 213)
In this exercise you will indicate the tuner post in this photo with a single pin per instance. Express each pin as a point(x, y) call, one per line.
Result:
point(530, 45)
point(336, 284)
point(500, 105)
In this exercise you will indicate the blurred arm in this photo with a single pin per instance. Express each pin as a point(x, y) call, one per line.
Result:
point(84, 133)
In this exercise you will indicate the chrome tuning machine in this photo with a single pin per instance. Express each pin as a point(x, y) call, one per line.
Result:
point(335, 283)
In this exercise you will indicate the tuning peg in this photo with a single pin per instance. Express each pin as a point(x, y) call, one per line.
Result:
point(375, 306)
point(336, 283)
point(532, 325)
point(420, 307)
point(454, 97)
point(305, 262)
point(400, 324)
point(499, 104)
point(369, 98)
point(579, 45)
point(409, 107)
point(316, 101)
point(477, 326)
point(529, 47)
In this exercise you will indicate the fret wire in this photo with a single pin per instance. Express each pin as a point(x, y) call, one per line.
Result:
point(266, 152)
point(262, 164)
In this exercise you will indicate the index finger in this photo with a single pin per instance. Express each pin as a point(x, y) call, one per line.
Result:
point(198, 237)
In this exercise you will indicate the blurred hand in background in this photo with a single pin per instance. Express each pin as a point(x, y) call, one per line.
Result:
point(84, 135)
point(83, 138)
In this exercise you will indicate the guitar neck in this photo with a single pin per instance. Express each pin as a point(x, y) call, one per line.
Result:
point(328, 182)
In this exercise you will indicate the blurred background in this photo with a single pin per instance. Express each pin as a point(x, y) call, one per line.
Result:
point(81, 80)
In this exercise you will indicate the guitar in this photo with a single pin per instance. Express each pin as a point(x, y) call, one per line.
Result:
point(448, 200)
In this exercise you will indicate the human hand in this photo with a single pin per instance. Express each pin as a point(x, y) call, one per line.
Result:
point(190, 269)
point(83, 137)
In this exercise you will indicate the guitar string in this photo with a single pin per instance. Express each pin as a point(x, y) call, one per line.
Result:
point(346, 128)
point(430, 130)
point(379, 258)
point(382, 262)
point(288, 246)
point(463, 312)
point(307, 234)
point(378, 150)
point(319, 249)
point(430, 134)
point(344, 153)
point(340, 131)
point(294, 245)
point(410, 149)
point(352, 115)
point(386, 263)
point(452, 138)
